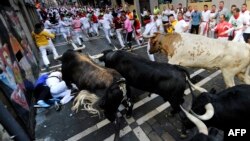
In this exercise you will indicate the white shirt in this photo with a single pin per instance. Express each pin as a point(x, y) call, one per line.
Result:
point(85, 22)
point(237, 23)
point(180, 26)
point(105, 23)
point(246, 21)
point(159, 24)
point(144, 13)
point(47, 24)
point(187, 15)
point(150, 29)
point(205, 15)
point(173, 12)
point(54, 78)
point(165, 14)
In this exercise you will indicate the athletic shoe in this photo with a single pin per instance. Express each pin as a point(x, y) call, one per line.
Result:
point(42, 104)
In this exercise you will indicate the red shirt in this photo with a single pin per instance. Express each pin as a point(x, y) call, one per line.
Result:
point(222, 27)
point(94, 19)
point(137, 24)
point(118, 23)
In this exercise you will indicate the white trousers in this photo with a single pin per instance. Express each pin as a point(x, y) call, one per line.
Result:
point(138, 39)
point(119, 36)
point(77, 37)
point(150, 56)
point(107, 32)
point(43, 49)
point(59, 90)
point(239, 36)
point(204, 28)
point(95, 27)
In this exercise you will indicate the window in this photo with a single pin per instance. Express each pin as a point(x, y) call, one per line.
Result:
point(194, 1)
point(164, 1)
point(131, 2)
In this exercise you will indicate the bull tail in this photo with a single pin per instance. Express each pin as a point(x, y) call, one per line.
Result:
point(188, 80)
point(86, 100)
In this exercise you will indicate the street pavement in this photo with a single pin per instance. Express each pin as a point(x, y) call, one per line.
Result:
point(150, 120)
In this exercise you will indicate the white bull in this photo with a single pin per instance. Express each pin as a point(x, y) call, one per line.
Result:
point(190, 50)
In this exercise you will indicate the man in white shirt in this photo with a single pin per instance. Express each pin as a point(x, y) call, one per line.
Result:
point(106, 23)
point(49, 26)
point(187, 17)
point(85, 25)
point(237, 21)
point(165, 14)
point(159, 23)
point(150, 29)
point(245, 13)
point(205, 15)
point(181, 25)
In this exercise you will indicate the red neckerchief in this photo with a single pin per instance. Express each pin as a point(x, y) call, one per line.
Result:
point(180, 19)
point(237, 16)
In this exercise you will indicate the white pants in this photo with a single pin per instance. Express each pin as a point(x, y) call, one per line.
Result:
point(203, 28)
point(95, 27)
point(239, 36)
point(107, 33)
point(44, 53)
point(138, 39)
point(211, 33)
point(59, 90)
point(77, 36)
point(65, 31)
point(119, 36)
point(150, 56)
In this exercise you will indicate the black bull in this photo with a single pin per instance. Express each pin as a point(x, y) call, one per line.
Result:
point(169, 81)
point(231, 108)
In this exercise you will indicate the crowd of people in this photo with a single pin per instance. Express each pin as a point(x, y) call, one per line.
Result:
point(212, 22)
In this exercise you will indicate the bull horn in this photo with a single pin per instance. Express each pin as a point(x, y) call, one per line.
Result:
point(209, 112)
point(202, 128)
point(148, 36)
point(96, 56)
point(200, 89)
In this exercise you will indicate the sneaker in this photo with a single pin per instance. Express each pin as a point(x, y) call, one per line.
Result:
point(42, 104)
point(83, 46)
